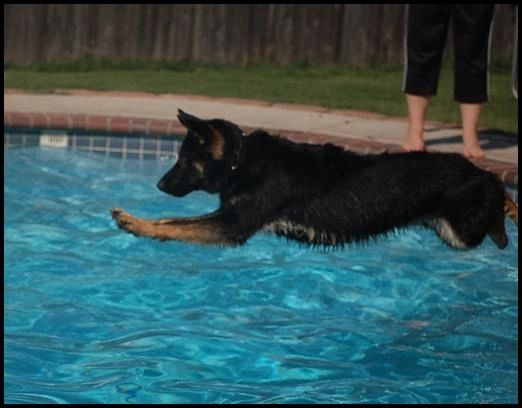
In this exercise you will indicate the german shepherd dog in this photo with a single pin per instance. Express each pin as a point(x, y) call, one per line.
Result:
point(322, 194)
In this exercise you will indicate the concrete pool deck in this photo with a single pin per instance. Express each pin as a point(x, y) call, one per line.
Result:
point(156, 114)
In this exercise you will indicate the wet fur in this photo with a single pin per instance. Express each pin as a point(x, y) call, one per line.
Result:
point(323, 195)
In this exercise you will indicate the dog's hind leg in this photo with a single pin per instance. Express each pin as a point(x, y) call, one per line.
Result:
point(446, 233)
point(510, 208)
point(497, 233)
point(498, 230)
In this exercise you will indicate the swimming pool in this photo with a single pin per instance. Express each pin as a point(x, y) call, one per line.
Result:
point(95, 315)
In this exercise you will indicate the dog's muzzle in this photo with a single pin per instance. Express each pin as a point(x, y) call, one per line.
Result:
point(162, 185)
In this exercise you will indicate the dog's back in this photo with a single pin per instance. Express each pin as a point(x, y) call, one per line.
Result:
point(330, 196)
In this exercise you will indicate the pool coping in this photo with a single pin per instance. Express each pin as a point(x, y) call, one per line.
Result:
point(507, 172)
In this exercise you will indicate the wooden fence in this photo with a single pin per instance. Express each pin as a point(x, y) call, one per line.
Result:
point(350, 34)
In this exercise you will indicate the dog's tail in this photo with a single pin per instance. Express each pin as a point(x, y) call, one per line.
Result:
point(510, 208)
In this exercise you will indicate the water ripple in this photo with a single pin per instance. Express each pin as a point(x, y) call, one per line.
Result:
point(93, 315)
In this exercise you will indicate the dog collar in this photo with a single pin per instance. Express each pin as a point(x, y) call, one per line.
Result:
point(237, 153)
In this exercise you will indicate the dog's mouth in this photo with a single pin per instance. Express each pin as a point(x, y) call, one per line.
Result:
point(173, 191)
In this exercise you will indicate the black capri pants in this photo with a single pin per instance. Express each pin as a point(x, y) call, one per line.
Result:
point(427, 26)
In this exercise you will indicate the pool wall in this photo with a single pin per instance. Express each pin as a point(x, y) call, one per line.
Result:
point(132, 146)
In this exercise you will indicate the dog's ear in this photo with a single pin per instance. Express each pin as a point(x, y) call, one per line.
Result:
point(197, 126)
point(205, 133)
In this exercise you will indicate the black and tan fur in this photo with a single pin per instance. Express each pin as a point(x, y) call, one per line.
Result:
point(322, 194)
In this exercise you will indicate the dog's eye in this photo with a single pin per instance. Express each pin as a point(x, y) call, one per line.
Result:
point(199, 140)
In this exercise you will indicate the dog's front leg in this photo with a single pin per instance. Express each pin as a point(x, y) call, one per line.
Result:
point(207, 229)
point(163, 221)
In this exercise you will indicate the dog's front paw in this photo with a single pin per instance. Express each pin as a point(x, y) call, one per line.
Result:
point(130, 223)
point(120, 216)
point(115, 212)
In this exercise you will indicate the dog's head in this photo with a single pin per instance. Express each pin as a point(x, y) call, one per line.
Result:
point(208, 156)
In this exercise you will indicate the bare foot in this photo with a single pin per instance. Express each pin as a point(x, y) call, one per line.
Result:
point(414, 145)
point(473, 152)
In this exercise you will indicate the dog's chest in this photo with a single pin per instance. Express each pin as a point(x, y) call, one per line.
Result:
point(301, 232)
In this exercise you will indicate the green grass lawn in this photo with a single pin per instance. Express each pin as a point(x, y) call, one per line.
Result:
point(376, 89)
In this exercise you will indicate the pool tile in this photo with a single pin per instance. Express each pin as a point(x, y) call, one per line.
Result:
point(99, 141)
point(133, 143)
point(114, 153)
point(134, 156)
point(150, 144)
point(167, 146)
point(82, 141)
point(149, 156)
point(116, 142)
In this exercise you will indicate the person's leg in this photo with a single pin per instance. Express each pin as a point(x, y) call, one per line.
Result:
point(472, 25)
point(425, 35)
point(470, 114)
point(417, 107)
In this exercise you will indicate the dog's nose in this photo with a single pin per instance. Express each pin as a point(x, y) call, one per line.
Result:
point(162, 185)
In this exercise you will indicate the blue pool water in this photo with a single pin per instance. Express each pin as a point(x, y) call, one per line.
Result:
point(95, 315)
